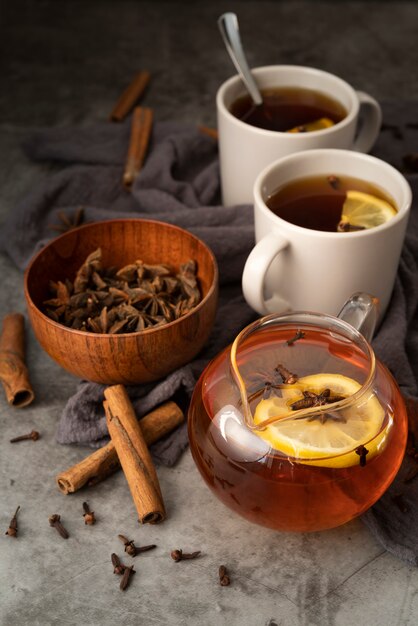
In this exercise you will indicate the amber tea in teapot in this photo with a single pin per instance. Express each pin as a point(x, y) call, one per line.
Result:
point(297, 426)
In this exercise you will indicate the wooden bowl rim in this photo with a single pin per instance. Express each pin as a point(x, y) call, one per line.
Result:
point(213, 287)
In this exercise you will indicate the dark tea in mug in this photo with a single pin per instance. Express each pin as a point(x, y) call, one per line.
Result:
point(332, 203)
point(290, 109)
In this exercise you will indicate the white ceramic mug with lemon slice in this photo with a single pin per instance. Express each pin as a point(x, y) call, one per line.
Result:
point(245, 149)
point(297, 268)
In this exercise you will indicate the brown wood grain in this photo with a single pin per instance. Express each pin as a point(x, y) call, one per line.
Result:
point(134, 456)
point(141, 127)
point(13, 371)
point(104, 461)
point(130, 96)
point(132, 357)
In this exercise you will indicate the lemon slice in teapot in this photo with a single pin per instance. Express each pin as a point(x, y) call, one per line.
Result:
point(325, 438)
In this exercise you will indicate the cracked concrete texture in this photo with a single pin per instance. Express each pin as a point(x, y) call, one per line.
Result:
point(67, 63)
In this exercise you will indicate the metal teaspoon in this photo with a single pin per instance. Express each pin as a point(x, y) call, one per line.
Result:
point(228, 25)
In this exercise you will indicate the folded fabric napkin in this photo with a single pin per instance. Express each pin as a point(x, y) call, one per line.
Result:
point(179, 184)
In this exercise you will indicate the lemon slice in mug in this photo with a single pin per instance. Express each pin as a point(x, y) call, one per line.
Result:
point(322, 122)
point(331, 443)
point(364, 210)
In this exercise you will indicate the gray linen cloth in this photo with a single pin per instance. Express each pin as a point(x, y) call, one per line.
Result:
point(180, 184)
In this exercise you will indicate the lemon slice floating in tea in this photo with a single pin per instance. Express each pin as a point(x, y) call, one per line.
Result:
point(363, 210)
point(323, 122)
point(330, 442)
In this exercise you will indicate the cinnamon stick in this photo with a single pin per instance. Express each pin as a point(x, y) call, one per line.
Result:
point(140, 135)
point(13, 371)
point(210, 132)
point(134, 456)
point(104, 461)
point(130, 96)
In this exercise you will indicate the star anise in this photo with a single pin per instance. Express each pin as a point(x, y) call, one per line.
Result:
point(187, 277)
point(260, 379)
point(311, 399)
point(324, 417)
point(135, 297)
point(68, 223)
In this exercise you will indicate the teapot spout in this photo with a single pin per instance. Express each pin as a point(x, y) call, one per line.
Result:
point(361, 312)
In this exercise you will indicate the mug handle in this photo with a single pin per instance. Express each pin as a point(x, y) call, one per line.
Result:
point(372, 121)
point(256, 268)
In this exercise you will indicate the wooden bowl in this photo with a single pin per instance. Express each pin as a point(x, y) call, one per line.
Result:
point(131, 357)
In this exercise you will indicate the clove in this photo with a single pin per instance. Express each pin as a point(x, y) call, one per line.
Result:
point(179, 555)
point(287, 377)
point(54, 521)
point(334, 181)
point(130, 547)
point(346, 227)
point(299, 334)
point(126, 577)
point(140, 549)
point(34, 435)
point(224, 580)
point(362, 451)
point(88, 515)
point(12, 530)
point(118, 566)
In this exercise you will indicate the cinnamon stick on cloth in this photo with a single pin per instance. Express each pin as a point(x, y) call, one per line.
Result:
point(104, 462)
point(13, 371)
point(138, 144)
point(134, 456)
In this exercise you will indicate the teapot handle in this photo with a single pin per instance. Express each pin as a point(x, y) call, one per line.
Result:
point(361, 311)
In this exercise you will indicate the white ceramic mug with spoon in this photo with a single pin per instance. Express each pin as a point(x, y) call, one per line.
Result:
point(297, 268)
point(245, 149)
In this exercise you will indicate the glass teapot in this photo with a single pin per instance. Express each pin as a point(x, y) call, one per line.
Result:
point(297, 426)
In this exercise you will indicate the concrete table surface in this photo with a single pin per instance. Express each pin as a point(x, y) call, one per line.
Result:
point(67, 62)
